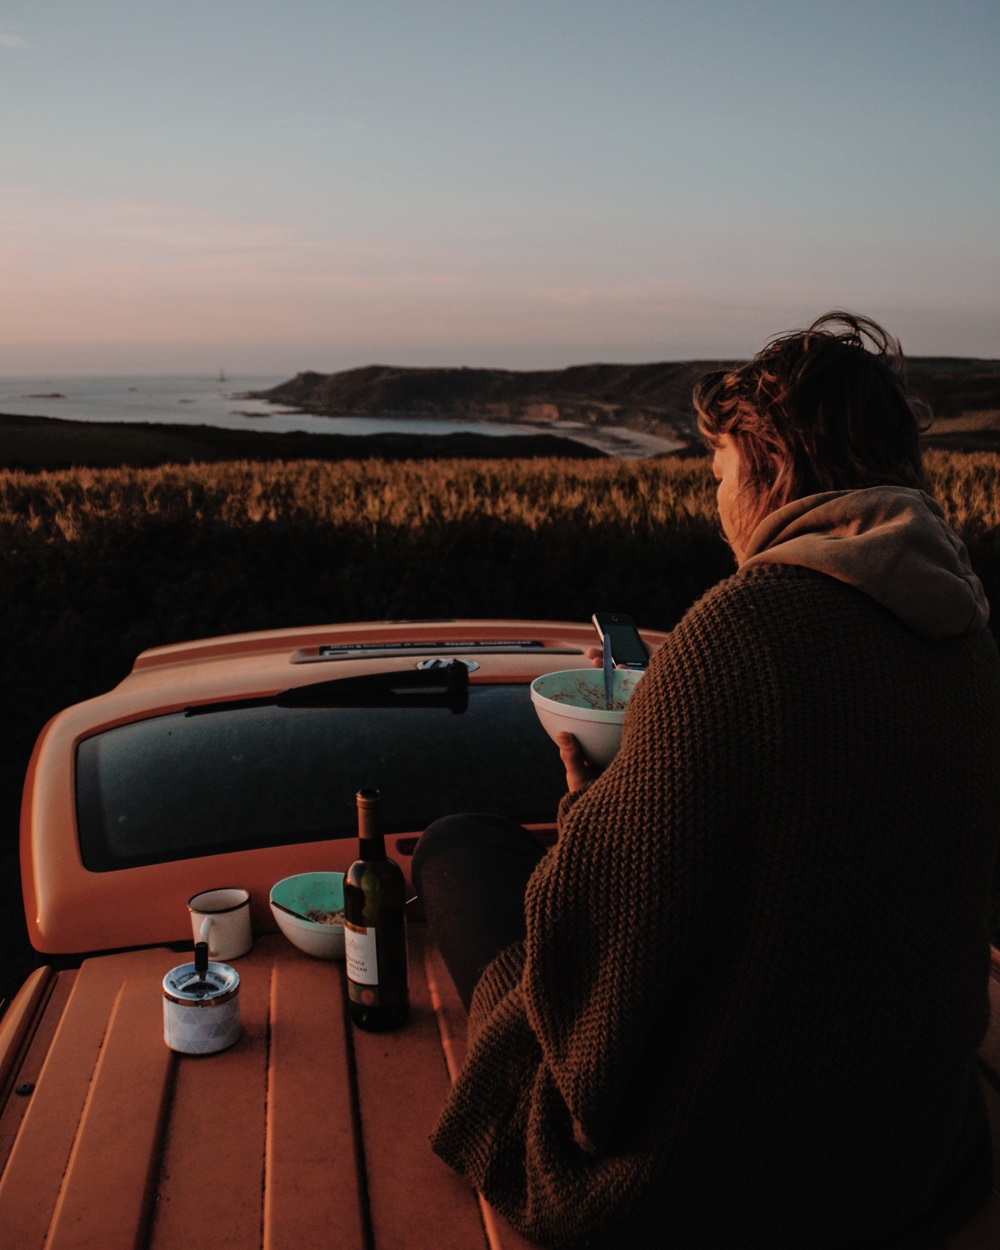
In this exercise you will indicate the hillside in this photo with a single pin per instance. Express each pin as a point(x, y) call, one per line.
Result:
point(653, 397)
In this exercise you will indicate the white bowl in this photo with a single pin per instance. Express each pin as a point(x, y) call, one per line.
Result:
point(303, 893)
point(573, 702)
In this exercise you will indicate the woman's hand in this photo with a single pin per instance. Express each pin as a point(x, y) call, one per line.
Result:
point(579, 771)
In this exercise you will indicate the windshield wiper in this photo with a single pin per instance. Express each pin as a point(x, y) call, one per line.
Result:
point(445, 686)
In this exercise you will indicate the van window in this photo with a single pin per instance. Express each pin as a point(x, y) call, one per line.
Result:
point(243, 775)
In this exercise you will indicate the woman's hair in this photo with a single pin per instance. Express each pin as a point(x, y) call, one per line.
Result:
point(816, 410)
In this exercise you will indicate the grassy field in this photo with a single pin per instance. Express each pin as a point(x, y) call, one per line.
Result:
point(97, 564)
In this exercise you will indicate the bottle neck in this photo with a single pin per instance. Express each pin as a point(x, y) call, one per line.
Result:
point(371, 838)
point(371, 846)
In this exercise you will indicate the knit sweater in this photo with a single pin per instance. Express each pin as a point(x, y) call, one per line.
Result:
point(755, 971)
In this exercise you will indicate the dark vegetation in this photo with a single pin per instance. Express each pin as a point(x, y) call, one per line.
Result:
point(52, 443)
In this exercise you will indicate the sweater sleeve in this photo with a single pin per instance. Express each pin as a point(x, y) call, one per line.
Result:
point(621, 914)
point(625, 913)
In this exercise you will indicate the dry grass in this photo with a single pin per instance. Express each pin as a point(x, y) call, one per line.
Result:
point(411, 496)
point(414, 496)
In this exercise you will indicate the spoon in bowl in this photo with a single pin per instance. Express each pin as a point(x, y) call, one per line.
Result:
point(308, 919)
point(609, 674)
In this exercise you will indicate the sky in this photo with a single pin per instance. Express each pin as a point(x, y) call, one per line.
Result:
point(268, 186)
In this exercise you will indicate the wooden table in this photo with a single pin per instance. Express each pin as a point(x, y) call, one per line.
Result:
point(307, 1134)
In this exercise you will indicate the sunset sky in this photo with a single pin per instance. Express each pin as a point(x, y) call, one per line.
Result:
point(276, 185)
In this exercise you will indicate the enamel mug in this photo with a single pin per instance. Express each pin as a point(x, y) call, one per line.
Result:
point(222, 919)
point(201, 1010)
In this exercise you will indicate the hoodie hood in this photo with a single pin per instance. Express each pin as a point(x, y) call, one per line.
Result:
point(892, 543)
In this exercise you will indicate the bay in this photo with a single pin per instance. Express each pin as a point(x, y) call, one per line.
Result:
point(175, 399)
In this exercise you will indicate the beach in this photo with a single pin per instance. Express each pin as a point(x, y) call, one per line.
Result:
point(619, 441)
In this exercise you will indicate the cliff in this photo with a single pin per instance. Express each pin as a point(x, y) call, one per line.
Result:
point(653, 397)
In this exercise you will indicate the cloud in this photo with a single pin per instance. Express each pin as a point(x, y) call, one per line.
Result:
point(90, 275)
point(13, 41)
point(48, 236)
point(75, 269)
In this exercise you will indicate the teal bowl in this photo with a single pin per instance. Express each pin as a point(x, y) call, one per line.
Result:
point(310, 892)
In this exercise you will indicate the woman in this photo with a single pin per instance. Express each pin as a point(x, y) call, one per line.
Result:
point(738, 1003)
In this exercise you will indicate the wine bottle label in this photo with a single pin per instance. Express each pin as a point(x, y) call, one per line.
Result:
point(359, 954)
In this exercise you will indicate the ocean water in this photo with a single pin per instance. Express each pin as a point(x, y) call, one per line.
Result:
point(183, 400)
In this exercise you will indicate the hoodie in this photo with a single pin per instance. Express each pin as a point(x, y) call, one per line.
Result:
point(892, 543)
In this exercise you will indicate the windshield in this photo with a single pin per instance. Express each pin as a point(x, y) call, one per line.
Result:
point(185, 784)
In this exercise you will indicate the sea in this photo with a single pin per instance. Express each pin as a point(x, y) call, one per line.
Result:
point(175, 399)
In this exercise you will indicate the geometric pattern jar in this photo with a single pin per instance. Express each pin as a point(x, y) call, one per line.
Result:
point(201, 1013)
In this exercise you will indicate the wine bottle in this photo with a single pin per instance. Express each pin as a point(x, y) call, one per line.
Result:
point(375, 926)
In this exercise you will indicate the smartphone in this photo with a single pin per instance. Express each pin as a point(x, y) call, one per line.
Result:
point(627, 648)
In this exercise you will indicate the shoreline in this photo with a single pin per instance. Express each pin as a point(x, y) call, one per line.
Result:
point(619, 440)
point(612, 440)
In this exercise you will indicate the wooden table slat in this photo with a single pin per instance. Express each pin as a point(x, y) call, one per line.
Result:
point(17, 1021)
point(402, 1081)
point(105, 1195)
point(32, 1062)
point(313, 1197)
point(39, 1157)
point(452, 1021)
point(212, 1169)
